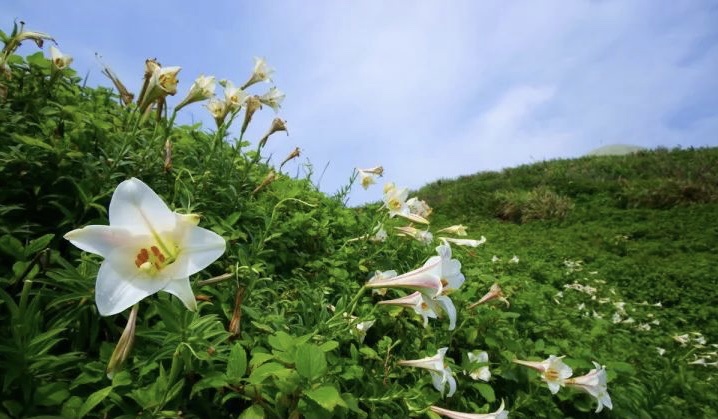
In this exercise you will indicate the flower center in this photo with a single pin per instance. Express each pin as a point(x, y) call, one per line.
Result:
point(551, 374)
point(152, 259)
point(394, 204)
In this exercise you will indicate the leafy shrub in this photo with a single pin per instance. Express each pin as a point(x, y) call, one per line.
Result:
point(540, 203)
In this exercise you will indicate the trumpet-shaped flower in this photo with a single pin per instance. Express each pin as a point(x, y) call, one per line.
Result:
point(440, 372)
point(380, 276)
point(218, 108)
point(482, 372)
point(416, 301)
point(423, 236)
point(495, 293)
point(261, 72)
point(499, 414)
point(202, 89)
point(147, 248)
point(234, 96)
point(464, 242)
point(459, 230)
point(162, 83)
point(395, 199)
point(553, 371)
point(366, 179)
point(273, 98)
point(440, 275)
point(60, 61)
point(593, 383)
point(418, 207)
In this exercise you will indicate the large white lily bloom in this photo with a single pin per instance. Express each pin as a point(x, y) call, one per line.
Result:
point(593, 383)
point(481, 373)
point(147, 248)
point(553, 371)
point(499, 414)
point(440, 372)
point(395, 200)
point(60, 61)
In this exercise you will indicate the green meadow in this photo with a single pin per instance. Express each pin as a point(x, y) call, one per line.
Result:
point(606, 259)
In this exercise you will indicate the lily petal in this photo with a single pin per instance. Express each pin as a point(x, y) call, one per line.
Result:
point(134, 204)
point(201, 248)
point(182, 290)
point(116, 291)
point(98, 239)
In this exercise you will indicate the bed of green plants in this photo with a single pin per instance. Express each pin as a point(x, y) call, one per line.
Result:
point(605, 259)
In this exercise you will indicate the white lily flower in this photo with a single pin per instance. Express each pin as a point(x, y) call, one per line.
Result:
point(494, 259)
point(273, 98)
point(499, 414)
point(481, 373)
point(261, 72)
point(465, 242)
point(395, 199)
point(593, 383)
point(202, 89)
point(147, 248)
point(416, 301)
point(218, 108)
point(234, 96)
point(440, 372)
point(514, 259)
point(162, 83)
point(378, 276)
point(418, 207)
point(60, 61)
point(458, 229)
point(423, 236)
point(440, 275)
point(553, 371)
point(366, 179)
point(380, 234)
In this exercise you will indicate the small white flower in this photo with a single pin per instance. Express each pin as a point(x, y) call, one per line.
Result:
point(660, 351)
point(440, 372)
point(593, 383)
point(514, 259)
point(261, 72)
point(273, 98)
point(481, 373)
point(60, 61)
point(495, 259)
point(553, 371)
point(202, 89)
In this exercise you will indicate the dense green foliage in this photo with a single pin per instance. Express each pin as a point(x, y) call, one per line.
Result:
point(264, 342)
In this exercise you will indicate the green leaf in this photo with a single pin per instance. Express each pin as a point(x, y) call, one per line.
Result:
point(326, 396)
point(237, 363)
point(252, 412)
point(329, 346)
point(24, 139)
point(12, 246)
point(310, 361)
point(269, 369)
point(214, 379)
point(92, 401)
point(487, 392)
point(52, 394)
point(281, 341)
point(38, 244)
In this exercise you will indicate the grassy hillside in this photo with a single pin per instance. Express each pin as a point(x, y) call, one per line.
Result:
point(605, 259)
point(643, 225)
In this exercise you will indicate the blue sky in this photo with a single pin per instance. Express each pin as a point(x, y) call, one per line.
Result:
point(427, 89)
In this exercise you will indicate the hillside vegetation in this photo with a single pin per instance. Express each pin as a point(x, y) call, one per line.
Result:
point(604, 259)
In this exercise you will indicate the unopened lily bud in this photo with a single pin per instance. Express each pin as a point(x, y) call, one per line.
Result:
point(495, 293)
point(293, 155)
point(277, 125)
point(271, 177)
point(261, 72)
point(252, 104)
point(168, 155)
point(125, 96)
point(124, 345)
point(378, 170)
point(37, 37)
